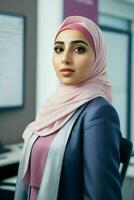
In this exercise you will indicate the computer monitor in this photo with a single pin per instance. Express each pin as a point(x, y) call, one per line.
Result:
point(11, 60)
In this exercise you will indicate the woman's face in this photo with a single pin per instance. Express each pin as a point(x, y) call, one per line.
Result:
point(73, 57)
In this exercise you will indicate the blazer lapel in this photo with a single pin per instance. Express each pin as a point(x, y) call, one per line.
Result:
point(51, 177)
point(27, 152)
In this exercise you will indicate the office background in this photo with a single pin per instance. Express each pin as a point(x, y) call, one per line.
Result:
point(42, 18)
point(13, 120)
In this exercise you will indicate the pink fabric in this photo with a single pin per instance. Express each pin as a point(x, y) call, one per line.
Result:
point(33, 193)
point(60, 106)
point(37, 160)
point(37, 163)
point(82, 29)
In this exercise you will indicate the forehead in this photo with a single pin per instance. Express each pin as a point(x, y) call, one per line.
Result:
point(70, 35)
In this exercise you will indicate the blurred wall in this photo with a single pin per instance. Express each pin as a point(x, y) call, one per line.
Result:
point(13, 121)
point(50, 15)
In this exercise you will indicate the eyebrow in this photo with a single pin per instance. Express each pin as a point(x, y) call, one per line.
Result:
point(72, 42)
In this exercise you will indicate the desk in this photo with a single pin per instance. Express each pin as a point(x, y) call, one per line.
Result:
point(9, 161)
point(7, 188)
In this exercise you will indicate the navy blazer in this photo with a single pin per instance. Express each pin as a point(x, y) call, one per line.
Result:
point(90, 169)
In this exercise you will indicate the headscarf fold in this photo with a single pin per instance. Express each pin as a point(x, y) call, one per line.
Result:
point(60, 106)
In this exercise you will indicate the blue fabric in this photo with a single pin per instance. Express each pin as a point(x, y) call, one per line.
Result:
point(90, 169)
point(91, 162)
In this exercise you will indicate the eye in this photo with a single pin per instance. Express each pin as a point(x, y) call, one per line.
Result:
point(58, 49)
point(80, 50)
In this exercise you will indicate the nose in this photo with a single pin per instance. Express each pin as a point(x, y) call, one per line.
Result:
point(66, 58)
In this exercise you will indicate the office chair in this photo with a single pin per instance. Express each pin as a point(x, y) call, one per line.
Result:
point(126, 147)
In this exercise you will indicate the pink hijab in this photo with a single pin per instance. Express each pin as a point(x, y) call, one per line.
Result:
point(60, 106)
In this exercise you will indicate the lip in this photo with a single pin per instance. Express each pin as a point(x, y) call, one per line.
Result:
point(66, 72)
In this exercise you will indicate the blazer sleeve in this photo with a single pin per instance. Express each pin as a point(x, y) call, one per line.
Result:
point(101, 156)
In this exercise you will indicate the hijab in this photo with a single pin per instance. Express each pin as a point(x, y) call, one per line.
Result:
point(62, 104)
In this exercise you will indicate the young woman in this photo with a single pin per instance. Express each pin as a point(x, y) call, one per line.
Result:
point(71, 150)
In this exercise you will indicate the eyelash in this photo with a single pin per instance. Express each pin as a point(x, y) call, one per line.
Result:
point(56, 49)
point(80, 49)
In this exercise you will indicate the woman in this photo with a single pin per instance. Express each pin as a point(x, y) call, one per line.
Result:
point(71, 150)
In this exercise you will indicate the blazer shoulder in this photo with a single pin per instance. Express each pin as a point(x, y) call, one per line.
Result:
point(100, 108)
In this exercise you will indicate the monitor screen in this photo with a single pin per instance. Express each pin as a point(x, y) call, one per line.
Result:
point(11, 60)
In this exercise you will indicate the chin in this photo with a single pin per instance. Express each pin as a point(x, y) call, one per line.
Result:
point(66, 81)
point(69, 82)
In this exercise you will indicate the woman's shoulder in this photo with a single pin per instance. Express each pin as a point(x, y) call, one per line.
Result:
point(99, 108)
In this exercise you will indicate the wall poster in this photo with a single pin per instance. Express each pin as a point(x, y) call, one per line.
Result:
point(86, 8)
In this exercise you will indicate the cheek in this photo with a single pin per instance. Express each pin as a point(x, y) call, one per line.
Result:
point(56, 61)
point(90, 60)
point(84, 66)
point(56, 65)
point(85, 63)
